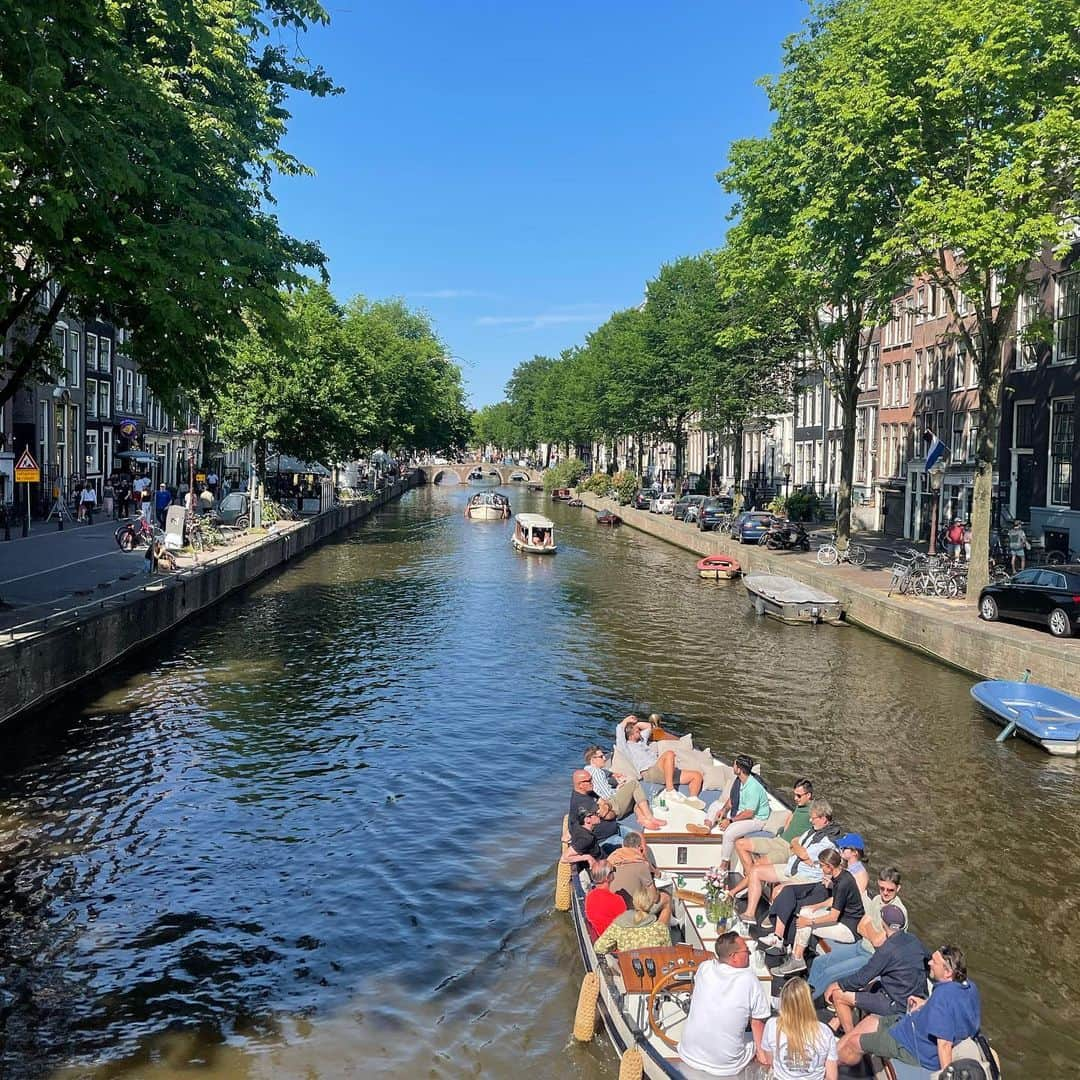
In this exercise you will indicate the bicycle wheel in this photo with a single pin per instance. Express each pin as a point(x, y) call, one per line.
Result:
point(856, 554)
point(126, 540)
point(827, 555)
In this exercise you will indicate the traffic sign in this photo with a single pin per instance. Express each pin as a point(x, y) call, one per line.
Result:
point(26, 469)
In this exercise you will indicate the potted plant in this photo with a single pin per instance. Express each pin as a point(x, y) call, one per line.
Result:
point(719, 907)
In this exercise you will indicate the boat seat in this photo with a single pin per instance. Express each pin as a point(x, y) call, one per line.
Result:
point(966, 1049)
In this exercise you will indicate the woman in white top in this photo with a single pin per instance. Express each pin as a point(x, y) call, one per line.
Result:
point(795, 1043)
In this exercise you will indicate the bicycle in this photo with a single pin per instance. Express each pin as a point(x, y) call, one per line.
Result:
point(831, 555)
point(137, 533)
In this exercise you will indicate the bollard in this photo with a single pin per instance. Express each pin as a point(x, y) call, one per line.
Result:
point(7, 523)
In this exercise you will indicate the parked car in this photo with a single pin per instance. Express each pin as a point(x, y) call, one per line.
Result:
point(750, 526)
point(712, 511)
point(1044, 596)
point(643, 499)
point(664, 503)
point(232, 508)
point(684, 503)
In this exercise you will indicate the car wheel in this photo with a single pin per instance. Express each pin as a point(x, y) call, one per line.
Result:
point(988, 609)
point(1060, 623)
point(242, 521)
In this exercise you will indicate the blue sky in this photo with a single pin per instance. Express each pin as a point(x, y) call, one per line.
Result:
point(520, 170)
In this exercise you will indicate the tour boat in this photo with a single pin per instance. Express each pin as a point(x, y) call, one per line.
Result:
point(487, 506)
point(718, 567)
point(607, 517)
point(1049, 718)
point(791, 601)
point(561, 494)
point(641, 997)
point(534, 533)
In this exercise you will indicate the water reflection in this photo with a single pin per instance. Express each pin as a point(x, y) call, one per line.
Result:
point(316, 836)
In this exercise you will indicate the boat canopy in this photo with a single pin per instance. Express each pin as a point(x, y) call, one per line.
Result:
point(535, 521)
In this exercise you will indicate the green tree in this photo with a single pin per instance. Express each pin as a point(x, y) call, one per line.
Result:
point(988, 133)
point(137, 146)
point(491, 425)
point(528, 396)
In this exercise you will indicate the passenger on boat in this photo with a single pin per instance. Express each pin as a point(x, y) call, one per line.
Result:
point(845, 959)
point(835, 919)
point(727, 996)
point(926, 1034)
point(632, 869)
point(763, 846)
point(584, 842)
point(898, 968)
point(802, 863)
point(601, 904)
point(746, 810)
point(795, 1044)
point(636, 929)
point(582, 797)
point(623, 792)
point(632, 739)
point(634, 849)
point(852, 849)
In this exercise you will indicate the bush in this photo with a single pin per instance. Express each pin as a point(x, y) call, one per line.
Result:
point(598, 484)
point(802, 505)
point(625, 485)
point(564, 475)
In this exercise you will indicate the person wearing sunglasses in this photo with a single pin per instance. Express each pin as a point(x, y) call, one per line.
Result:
point(926, 1035)
point(622, 792)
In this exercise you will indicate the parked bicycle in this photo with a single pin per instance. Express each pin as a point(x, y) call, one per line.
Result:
point(137, 533)
point(831, 554)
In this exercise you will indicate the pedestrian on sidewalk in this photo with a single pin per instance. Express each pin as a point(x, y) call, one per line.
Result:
point(955, 536)
point(108, 498)
point(162, 502)
point(967, 541)
point(1018, 546)
point(87, 502)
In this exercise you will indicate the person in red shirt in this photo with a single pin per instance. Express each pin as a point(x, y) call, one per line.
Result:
point(601, 904)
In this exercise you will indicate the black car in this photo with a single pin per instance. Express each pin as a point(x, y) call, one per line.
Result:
point(712, 510)
point(1045, 596)
point(683, 503)
point(643, 499)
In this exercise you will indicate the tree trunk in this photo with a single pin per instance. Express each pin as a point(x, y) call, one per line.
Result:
point(847, 469)
point(982, 494)
point(737, 458)
point(640, 449)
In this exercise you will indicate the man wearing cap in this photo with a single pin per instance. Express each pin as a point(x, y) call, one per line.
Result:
point(846, 959)
point(926, 1035)
point(584, 838)
point(582, 797)
point(898, 967)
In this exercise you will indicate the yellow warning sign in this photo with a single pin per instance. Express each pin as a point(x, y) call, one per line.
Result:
point(26, 469)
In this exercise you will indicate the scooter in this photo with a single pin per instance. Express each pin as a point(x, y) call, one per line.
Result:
point(788, 536)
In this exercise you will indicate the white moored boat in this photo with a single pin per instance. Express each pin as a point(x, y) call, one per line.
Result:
point(534, 533)
point(487, 506)
point(791, 601)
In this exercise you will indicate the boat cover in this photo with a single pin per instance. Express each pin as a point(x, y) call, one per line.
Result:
point(785, 590)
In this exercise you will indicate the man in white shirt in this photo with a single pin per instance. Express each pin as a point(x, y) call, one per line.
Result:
point(726, 995)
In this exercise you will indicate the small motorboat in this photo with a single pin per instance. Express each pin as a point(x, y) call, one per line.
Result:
point(561, 494)
point(534, 533)
point(719, 568)
point(535, 486)
point(575, 502)
point(1047, 717)
point(791, 601)
point(487, 506)
point(607, 517)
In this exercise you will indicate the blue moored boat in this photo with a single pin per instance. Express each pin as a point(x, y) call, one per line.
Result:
point(1048, 717)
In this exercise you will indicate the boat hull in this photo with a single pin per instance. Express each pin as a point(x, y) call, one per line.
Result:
point(1046, 717)
point(719, 568)
point(533, 549)
point(486, 513)
point(790, 601)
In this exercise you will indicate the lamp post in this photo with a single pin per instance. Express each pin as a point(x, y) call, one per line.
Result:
point(191, 437)
point(663, 455)
point(787, 478)
point(936, 474)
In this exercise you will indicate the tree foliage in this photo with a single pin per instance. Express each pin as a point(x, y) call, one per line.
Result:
point(137, 146)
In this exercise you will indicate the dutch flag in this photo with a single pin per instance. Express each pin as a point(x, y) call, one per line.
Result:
point(935, 452)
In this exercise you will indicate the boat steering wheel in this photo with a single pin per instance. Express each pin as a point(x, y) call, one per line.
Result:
point(679, 980)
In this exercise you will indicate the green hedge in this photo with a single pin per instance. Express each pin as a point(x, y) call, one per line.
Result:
point(564, 475)
point(624, 486)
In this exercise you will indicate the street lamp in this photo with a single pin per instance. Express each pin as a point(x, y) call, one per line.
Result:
point(663, 455)
point(936, 473)
point(191, 437)
point(787, 478)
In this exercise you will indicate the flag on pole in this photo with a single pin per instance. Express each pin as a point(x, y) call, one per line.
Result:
point(935, 452)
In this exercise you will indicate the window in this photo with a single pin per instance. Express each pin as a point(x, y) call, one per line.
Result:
point(972, 372)
point(909, 324)
point(905, 390)
point(886, 386)
point(961, 303)
point(1028, 309)
point(933, 300)
point(73, 343)
point(959, 364)
point(1062, 438)
point(956, 444)
point(91, 399)
point(120, 388)
point(920, 381)
point(104, 396)
point(93, 451)
point(91, 352)
point(1067, 318)
point(140, 385)
point(1024, 425)
point(971, 435)
point(940, 429)
point(129, 380)
point(872, 367)
point(920, 301)
point(896, 398)
point(104, 354)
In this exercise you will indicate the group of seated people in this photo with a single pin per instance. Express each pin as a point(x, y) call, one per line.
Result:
point(870, 973)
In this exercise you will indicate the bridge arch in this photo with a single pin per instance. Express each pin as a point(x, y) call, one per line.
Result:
point(434, 473)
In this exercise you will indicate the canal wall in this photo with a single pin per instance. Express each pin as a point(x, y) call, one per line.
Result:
point(947, 630)
point(39, 664)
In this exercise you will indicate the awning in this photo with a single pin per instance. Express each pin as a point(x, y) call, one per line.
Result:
point(283, 463)
point(141, 457)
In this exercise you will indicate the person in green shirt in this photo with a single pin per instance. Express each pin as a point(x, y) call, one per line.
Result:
point(746, 810)
point(776, 849)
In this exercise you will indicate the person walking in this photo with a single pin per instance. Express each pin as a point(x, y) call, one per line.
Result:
point(955, 536)
point(162, 502)
point(108, 498)
point(87, 502)
point(1018, 546)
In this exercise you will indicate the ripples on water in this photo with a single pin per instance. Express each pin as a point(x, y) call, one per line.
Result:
point(317, 836)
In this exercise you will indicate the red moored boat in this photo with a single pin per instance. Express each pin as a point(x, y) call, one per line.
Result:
point(717, 567)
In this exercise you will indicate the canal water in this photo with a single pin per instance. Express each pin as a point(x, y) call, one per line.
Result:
point(314, 834)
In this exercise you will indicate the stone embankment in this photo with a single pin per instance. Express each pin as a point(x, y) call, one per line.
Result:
point(39, 662)
point(947, 630)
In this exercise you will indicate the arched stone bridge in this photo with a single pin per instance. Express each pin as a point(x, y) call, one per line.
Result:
point(433, 473)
